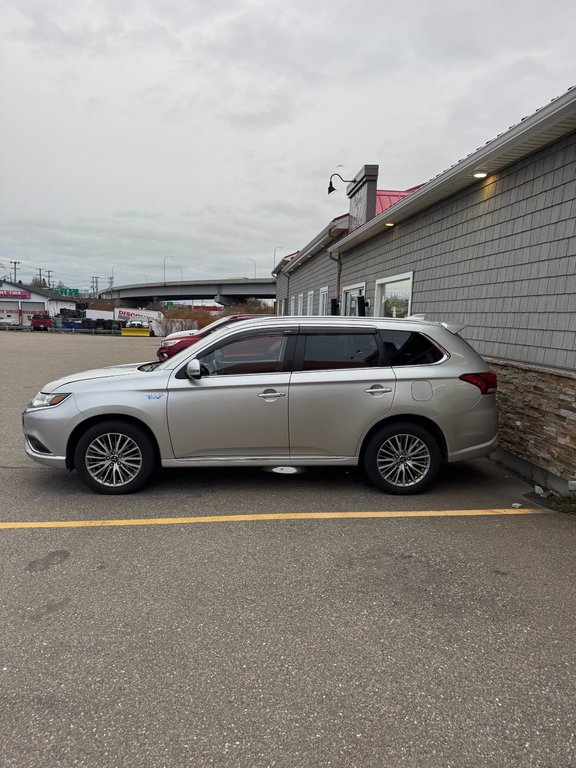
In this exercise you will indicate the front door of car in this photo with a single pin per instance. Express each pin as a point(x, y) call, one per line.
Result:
point(239, 406)
point(337, 391)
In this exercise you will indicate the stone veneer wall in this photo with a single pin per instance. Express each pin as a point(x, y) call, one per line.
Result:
point(537, 416)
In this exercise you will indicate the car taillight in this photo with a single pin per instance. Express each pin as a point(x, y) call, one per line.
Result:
point(486, 381)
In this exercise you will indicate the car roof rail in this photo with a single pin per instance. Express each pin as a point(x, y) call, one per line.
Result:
point(453, 327)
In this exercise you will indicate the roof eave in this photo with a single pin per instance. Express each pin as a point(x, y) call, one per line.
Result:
point(545, 126)
point(319, 243)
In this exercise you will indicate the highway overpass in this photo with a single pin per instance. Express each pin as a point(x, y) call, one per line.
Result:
point(228, 291)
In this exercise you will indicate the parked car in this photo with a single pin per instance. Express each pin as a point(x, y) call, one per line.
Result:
point(179, 340)
point(398, 397)
point(41, 322)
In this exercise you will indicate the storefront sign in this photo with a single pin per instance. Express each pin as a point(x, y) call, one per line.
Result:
point(14, 294)
point(123, 313)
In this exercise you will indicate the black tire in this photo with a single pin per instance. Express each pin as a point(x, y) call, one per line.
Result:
point(402, 458)
point(115, 457)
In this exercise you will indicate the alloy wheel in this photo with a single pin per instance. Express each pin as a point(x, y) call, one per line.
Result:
point(403, 460)
point(113, 459)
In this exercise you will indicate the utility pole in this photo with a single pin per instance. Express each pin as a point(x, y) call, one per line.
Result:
point(40, 276)
point(49, 273)
point(94, 285)
point(15, 265)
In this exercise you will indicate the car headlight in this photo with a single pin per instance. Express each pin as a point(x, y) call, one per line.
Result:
point(43, 400)
point(169, 343)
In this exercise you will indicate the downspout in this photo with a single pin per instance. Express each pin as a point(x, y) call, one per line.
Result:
point(338, 260)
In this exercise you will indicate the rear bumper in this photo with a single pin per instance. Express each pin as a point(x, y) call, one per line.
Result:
point(474, 451)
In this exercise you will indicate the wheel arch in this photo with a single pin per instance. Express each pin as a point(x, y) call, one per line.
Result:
point(79, 430)
point(421, 421)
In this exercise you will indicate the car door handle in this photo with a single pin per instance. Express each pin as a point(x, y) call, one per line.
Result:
point(378, 390)
point(270, 393)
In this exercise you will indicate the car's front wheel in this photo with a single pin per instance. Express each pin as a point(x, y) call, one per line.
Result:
point(115, 457)
point(402, 458)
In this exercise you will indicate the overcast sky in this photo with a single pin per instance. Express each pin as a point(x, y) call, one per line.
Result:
point(197, 138)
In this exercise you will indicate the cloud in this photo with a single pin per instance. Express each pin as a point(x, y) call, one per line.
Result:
point(205, 133)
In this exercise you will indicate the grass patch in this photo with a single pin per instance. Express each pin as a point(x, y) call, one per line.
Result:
point(565, 504)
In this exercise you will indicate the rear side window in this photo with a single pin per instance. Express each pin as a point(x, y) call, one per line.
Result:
point(325, 351)
point(409, 348)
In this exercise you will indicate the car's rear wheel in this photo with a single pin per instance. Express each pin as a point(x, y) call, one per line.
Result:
point(115, 457)
point(402, 458)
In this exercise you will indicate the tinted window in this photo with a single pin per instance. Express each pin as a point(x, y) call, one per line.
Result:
point(324, 351)
point(409, 348)
point(260, 353)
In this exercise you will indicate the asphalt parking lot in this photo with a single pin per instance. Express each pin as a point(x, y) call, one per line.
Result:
point(249, 618)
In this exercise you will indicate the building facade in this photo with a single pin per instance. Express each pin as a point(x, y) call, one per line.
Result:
point(489, 244)
point(19, 302)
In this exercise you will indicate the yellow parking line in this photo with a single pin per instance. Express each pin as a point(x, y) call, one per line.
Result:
point(279, 516)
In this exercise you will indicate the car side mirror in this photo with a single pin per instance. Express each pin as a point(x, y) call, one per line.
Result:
point(193, 369)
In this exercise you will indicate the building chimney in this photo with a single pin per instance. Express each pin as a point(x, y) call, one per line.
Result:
point(362, 195)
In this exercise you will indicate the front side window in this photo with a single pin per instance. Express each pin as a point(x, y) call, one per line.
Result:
point(394, 296)
point(409, 348)
point(257, 353)
point(326, 351)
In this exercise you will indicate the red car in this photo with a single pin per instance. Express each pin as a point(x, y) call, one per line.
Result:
point(178, 341)
point(41, 322)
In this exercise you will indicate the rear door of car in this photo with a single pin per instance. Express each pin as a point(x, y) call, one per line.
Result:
point(338, 389)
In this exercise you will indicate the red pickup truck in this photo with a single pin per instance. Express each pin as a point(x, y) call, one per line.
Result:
point(41, 322)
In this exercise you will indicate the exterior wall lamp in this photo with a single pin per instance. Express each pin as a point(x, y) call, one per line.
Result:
point(332, 188)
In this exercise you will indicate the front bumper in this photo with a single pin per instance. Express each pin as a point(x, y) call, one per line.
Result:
point(48, 459)
point(46, 432)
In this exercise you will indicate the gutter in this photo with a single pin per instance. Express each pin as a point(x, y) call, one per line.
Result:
point(319, 243)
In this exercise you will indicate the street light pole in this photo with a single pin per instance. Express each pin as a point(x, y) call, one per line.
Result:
point(254, 262)
point(165, 257)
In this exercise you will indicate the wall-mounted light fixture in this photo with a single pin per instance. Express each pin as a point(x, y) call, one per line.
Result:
point(480, 174)
point(332, 188)
point(389, 223)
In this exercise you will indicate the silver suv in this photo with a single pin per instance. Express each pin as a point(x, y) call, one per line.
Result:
point(398, 397)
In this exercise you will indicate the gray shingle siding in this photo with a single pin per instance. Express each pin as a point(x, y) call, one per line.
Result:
point(319, 272)
point(499, 257)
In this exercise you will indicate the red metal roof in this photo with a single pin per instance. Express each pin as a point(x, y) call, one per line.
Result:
point(387, 197)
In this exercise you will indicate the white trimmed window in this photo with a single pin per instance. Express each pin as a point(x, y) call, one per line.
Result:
point(350, 294)
point(292, 305)
point(310, 303)
point(300, 304)
point(323, 301)
point(394, 296)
